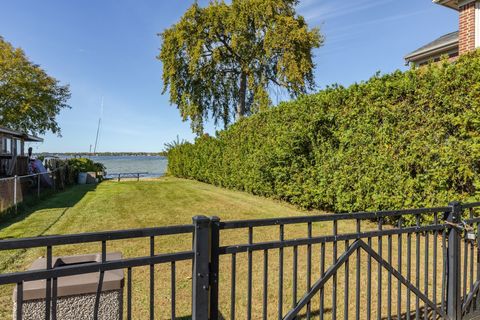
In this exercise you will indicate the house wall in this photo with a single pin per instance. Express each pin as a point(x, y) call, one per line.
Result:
point(4, 144)
point(452, 56)
point(15, 145)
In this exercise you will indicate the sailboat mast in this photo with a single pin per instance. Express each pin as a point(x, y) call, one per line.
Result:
point(98, 129)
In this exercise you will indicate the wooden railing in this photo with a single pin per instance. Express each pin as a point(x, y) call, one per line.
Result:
point(20, 166)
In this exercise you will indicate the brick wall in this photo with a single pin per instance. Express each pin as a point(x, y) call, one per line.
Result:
point(467, 28)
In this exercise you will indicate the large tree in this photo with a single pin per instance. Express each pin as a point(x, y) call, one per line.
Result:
point(30, 99)
point(221, 61)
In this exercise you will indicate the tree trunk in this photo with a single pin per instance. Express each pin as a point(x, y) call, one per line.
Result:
point(241, 109)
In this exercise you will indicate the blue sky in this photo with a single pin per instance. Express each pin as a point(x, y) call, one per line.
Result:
point(107, 48)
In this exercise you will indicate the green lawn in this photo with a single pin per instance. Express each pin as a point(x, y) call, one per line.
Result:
point(131, 204)
point(167, 201)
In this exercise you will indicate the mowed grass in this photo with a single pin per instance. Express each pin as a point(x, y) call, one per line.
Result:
point(170, 201)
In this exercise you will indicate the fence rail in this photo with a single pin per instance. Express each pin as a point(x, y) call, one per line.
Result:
point(425, 264)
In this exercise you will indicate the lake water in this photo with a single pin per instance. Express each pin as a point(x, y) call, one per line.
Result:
point(156, 166)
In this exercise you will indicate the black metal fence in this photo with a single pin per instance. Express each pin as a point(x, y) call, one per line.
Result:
point(407, 264)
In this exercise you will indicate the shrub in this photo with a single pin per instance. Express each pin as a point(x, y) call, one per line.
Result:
point(85, 165)
point(405, 139)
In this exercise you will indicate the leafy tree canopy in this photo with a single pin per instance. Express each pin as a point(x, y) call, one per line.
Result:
point(29, 98)
point(220, 61)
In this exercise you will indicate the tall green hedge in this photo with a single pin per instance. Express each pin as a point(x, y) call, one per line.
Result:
point(405, 139)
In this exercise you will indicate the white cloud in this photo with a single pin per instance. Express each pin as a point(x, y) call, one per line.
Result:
point(315, 10)
point(381, 20)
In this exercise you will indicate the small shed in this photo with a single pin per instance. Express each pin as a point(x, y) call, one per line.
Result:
point(13, 160)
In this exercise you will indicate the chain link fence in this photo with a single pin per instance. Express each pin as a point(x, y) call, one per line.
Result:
point(18, 191)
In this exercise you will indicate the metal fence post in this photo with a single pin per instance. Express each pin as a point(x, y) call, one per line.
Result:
point(214, 265)
point(15, 192)
point(201, 269)
point(454, 303)
point(38, 185)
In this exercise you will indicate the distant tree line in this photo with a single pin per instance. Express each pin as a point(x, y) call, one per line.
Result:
point(102, 154)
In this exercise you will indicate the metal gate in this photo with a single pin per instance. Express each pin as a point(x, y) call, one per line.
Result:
point(424, 266)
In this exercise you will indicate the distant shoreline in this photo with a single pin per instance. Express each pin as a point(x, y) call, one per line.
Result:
point(104, 154)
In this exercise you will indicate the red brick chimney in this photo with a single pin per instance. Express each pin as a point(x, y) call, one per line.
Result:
point(468, 26)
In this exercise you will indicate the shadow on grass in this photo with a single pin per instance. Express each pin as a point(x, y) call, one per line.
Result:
point(412, 314)
point(220, 317)
point(313, 313)
point(63, 199)
point(421, 313)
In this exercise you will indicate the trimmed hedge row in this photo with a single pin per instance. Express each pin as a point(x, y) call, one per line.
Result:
point(406, 139)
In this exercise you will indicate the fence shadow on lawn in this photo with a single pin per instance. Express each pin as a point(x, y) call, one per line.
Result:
point(66, 199)
point(220, 317)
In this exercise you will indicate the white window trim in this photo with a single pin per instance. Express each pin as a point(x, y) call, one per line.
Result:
point(477, 24)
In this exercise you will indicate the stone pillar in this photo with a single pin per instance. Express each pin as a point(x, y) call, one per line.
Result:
point(76, 297)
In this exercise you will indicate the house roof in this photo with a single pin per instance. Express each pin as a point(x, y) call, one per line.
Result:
point(18, 134)
point(453, 4)
point(442, 45)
